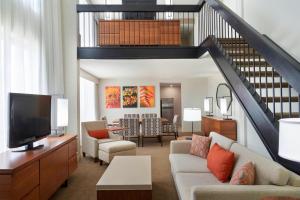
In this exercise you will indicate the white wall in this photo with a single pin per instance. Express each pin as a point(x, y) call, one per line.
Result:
point(173, 92)
point(246, 133)
point(193, 92)
point(71, 69)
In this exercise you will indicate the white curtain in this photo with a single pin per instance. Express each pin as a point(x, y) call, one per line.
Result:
point(88, 109)
point(30, 52)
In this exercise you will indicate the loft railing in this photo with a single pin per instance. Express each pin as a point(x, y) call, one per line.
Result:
point(138, 25)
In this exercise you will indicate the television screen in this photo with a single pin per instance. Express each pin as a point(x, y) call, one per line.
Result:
point(30, 118)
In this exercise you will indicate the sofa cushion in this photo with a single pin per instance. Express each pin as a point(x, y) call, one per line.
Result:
point(220, 162)
point(244, 176)
point(185, 182)
point(200, 145)
point(267, 171)
point(187, 163)
point(221, 140)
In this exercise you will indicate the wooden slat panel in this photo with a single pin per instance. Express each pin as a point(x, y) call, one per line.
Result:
point(139, 32)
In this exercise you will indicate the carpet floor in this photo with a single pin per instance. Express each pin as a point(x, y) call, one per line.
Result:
point(82, 184)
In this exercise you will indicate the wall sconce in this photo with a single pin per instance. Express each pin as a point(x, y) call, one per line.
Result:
point(209, 106)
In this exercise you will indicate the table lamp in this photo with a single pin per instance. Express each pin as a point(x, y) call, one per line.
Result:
point(208, 106)
point(289, 140)
point(224, 108)
point(192, 115)
point(62, 117)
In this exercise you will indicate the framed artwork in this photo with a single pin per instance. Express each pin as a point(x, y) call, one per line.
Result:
point(130, 96)
point(147, 96)
point(113, 96)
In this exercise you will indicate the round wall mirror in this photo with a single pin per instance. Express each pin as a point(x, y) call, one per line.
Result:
point(224, 91)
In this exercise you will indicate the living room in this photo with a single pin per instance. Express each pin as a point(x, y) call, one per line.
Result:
point(165, 99)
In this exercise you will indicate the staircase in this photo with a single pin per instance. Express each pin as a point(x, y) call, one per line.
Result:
point(264, 78)
point(275, 92)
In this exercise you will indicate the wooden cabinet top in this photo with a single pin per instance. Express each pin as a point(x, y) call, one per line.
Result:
point(11, 161)
point(219, 119)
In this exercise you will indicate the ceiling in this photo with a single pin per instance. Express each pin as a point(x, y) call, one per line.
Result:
point(163, 69)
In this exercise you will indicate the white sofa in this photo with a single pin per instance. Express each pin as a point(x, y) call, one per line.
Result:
point(194, 180)
point(90, 145)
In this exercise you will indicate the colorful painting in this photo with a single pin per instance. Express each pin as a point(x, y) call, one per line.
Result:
point(113, 96)
point(147, 96)
point(130, 96)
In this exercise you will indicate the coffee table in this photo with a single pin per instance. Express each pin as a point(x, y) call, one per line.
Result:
point(126, 177)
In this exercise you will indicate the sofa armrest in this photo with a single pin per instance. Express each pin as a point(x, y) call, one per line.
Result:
point(241, 192)
point(180, 146)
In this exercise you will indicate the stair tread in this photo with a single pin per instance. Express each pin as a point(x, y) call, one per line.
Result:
point(278, 99)
point(260, 73)
point(286, 115)
point(231, 40)
point(251, 63)
point(270, 85)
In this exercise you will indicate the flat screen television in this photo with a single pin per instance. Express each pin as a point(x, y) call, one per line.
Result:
point(29, 120)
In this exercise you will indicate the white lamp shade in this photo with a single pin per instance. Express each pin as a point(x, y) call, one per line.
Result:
point(192, 114)
point(289, 139)
point(206, 105)
point(223, 106)
point(62, 117)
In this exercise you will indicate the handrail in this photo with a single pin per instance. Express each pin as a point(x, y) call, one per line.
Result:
point(137, 8)
point(287, 66)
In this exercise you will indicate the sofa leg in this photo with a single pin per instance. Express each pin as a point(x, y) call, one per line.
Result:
point(96, 160)
point(83, 154)
point(101, 162)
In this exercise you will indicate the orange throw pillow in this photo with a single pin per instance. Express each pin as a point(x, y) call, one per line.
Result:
point(244, 176)
point(99, 134)
point(200, 145)
point(220, 162)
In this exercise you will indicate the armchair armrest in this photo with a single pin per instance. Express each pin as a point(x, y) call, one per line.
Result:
point(241, 192)
point(90, 146)
point(180, 146)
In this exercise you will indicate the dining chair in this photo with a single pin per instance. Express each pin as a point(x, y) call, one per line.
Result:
point(133, 129)
point(149, 115)
point(151, 128)
point(171, 129)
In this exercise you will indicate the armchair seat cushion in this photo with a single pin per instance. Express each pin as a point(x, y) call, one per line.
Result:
point(116, 146)
point(100, 141)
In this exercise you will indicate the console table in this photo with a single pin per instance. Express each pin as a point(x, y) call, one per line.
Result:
point(227, 128)
point(37, 174)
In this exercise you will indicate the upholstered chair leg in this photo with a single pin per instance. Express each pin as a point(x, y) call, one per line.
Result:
point(101, 162)
point(138, 138)
point(142, 141)
point(96, 160)
point(83, 154)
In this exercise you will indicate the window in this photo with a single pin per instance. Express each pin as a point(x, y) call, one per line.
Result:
point(88, 102)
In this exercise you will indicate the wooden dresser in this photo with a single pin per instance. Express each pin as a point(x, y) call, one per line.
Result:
point(228, 128)
point(39, 173)
point(138, 32)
